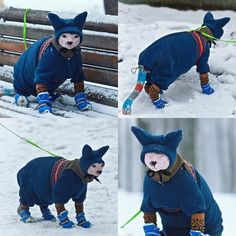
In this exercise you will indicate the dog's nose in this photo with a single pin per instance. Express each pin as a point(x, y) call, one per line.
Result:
point(70, 43)
point(153, 163)
point(99, 172)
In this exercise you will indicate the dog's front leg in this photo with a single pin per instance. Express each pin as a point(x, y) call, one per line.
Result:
point(206, 88)
point(62, 215)
point(80, 216)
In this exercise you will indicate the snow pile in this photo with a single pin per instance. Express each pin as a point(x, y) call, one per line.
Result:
point(139, 26)
point(65, 139)
point(226, 203)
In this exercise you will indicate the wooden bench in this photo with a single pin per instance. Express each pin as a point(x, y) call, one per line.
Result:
point(99, 50)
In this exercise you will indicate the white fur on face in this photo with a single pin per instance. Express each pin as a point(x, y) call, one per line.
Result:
point(156, 161)
point(95, 169)
point(69, 41)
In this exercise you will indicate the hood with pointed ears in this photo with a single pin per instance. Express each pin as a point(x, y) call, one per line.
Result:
point(73, 26)
point(166, 144)
point(90, 156)
point(216, 26)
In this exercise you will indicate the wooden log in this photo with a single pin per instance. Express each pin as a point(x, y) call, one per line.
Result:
point(100, 40)
point(111, 7)
point(101, 59)
point(40, 17)
point(94, 75)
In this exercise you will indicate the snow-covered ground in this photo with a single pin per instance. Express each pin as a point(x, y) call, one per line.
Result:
point(65, 139)
point(225, 201)
point(139, 26)
point(93, 6)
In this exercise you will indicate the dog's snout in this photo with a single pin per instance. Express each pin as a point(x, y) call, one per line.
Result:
point(153, 163)
point(70, 43)
point(99, 172)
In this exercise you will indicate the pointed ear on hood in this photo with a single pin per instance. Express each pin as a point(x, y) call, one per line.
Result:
point(80, 19)
point(173, 139)
point(55, 21)
point(101, 151)
point(141, 134)
point(208, 17)
point(223, 21)
point(87, 151)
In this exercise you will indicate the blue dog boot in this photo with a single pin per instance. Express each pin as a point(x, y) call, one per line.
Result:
point(44, 100)
point(81, 221)
point(47, 215)
point(25, 215)
point(151, 230)
point(196, 233)
point(81, 102)
point(207, 89)
point(21, 101)
point(159, 103)
point(64, 220)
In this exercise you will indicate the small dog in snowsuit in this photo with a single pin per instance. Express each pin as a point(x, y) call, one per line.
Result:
point(174, 189)
point(47, 180)
point(49, 62)
point(161, 63)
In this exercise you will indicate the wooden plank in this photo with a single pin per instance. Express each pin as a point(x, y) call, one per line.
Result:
point(40, 17)
point(95, 95)
point(99, 40)
point(93, 74)
point(101, 59)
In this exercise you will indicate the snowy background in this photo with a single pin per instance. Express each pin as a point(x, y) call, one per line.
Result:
point(139, 26)
point(65, 139)
point(209, 144)
point(93, 6)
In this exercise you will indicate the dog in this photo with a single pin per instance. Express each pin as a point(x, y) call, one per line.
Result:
point(174, 189)
point(47, 180)
point(48, 62)
point(175, 54)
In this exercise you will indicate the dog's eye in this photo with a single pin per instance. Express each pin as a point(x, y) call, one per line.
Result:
point(93, 165)
point(64, 36)
point(76, 36)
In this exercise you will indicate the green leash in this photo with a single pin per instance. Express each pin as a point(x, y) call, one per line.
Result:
point(212, 37)
point(29, 142)
point(131, 219)
point(25, 27)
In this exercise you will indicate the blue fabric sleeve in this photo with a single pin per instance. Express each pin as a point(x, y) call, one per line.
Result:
point(81, 197)
point(202, 65)
point(78, 77)
point(65, 187)
point(44, 72)
point(190, 196)
point(147, 206)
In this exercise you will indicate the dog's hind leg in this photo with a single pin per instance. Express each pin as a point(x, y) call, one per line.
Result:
point(24, 213)
point(46, 213)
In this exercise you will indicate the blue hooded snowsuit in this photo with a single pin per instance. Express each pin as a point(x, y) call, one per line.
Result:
point(183, 194)
point(38, 184)
point(41, 64)
point(175, 54)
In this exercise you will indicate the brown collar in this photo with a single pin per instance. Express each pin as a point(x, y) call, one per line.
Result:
point(67, 53)
point(207, 31)
point(166, 175)
point(75, 166)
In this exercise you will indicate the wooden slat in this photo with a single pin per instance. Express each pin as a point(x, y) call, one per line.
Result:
point(101, 59)
point(93, 74)
point(40, 17)
point(96, 96)
point(100, 41)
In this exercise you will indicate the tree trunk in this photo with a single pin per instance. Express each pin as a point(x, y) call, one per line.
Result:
point(111, 7)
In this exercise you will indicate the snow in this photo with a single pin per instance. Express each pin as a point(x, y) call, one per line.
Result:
point(139, 26)
point(226, 203)
point(65, 139)
point(92, 6)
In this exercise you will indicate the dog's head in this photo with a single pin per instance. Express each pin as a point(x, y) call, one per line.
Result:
point(91, 161)
point(215, 25)
point(159, 151)
point(68, 32)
